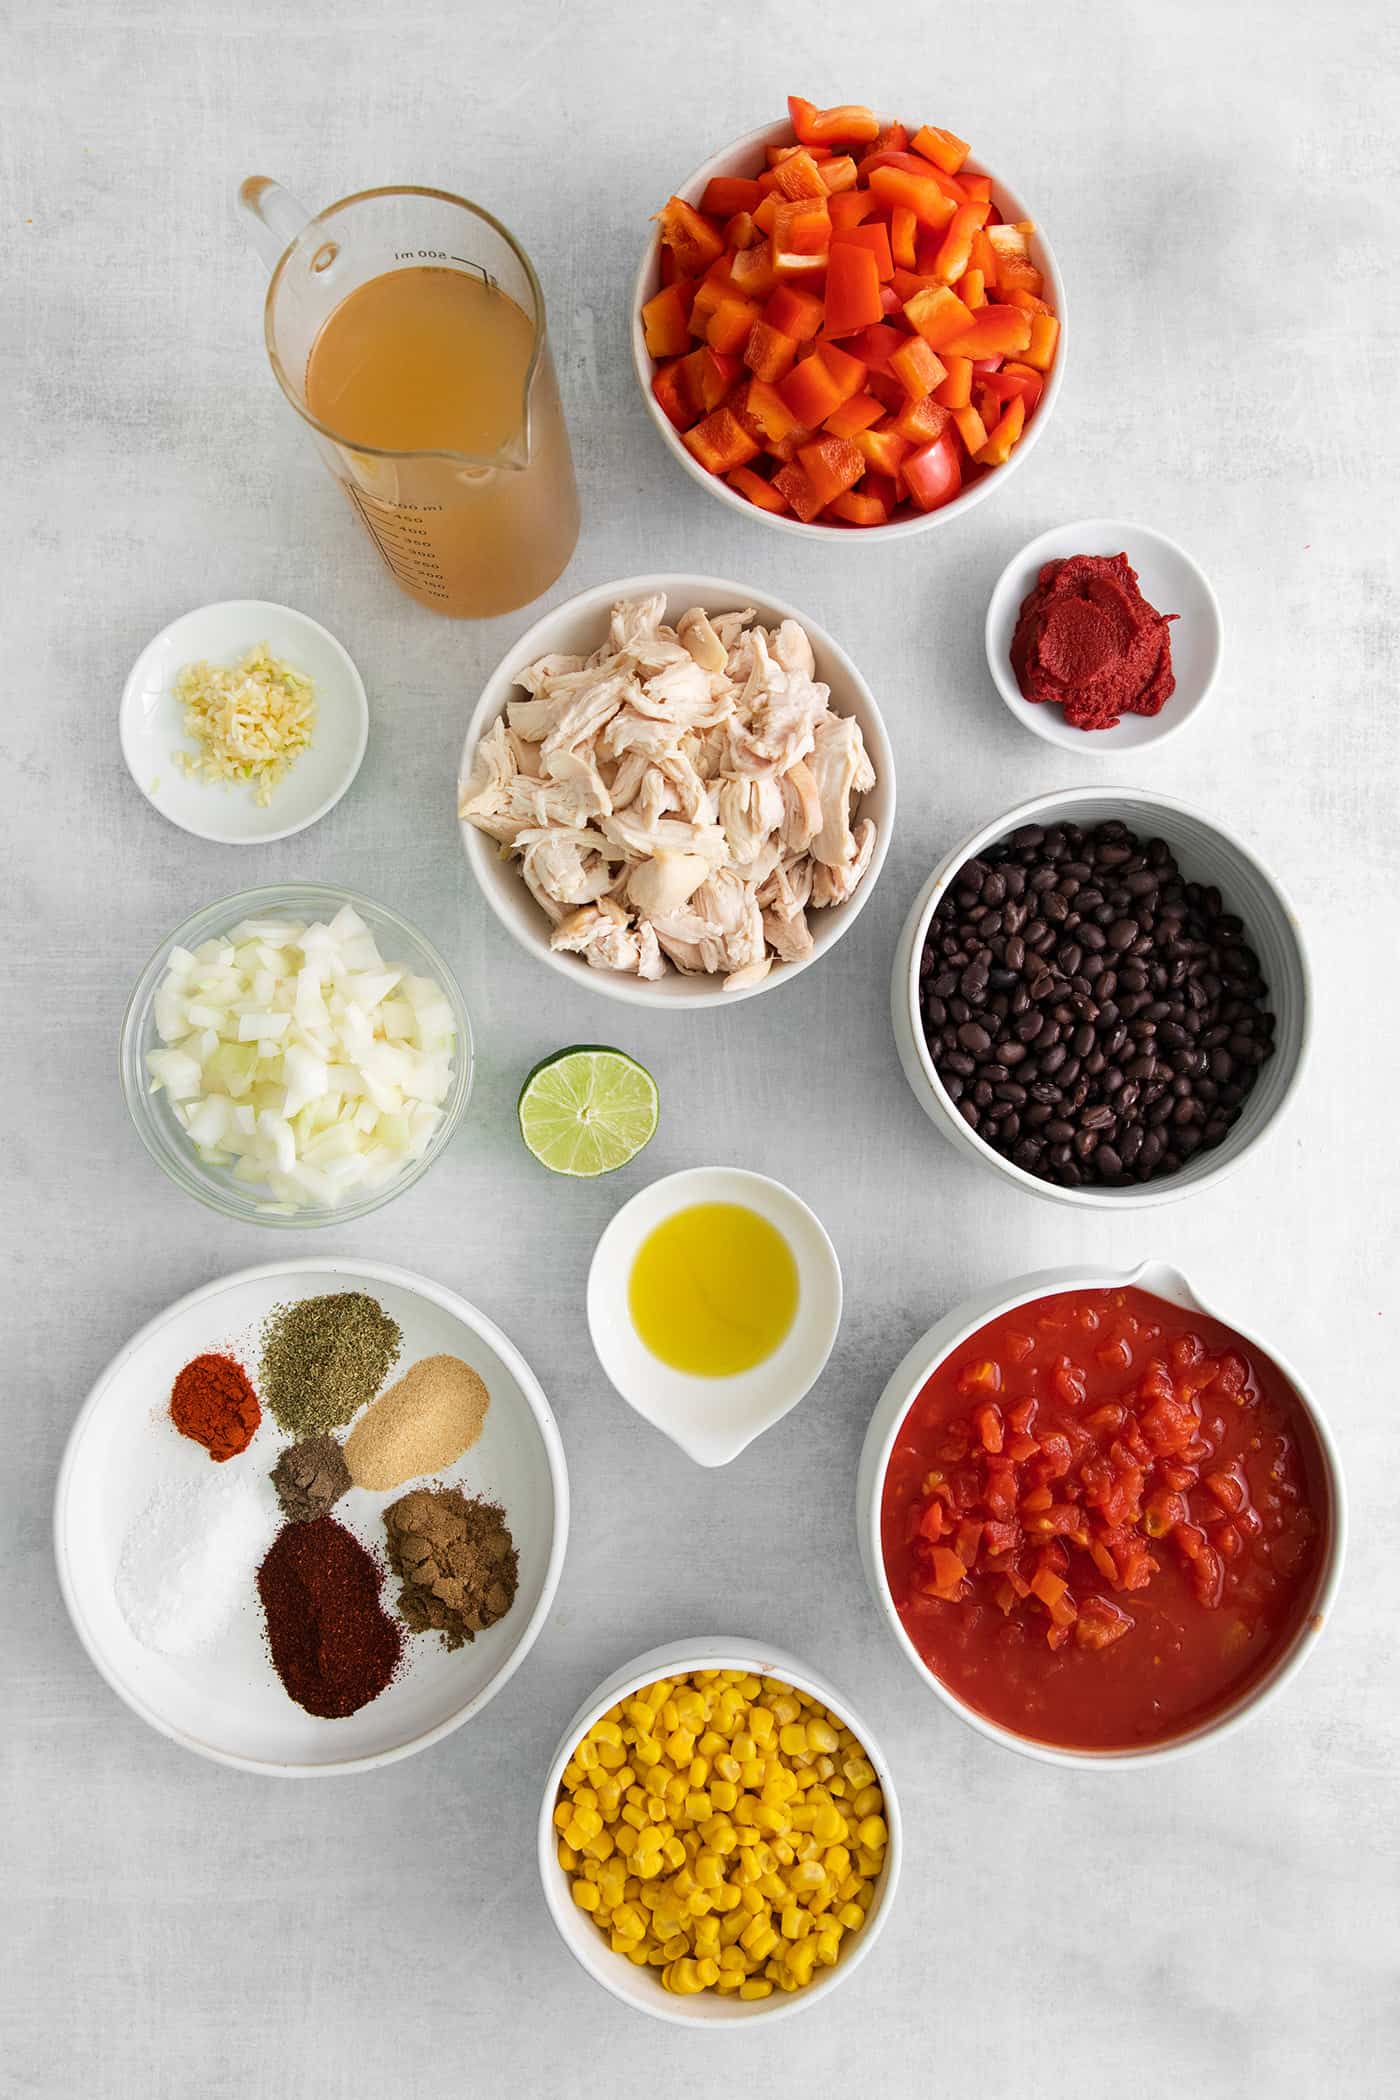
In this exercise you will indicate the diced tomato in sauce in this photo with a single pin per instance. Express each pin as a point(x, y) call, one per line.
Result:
point(1103, 1519)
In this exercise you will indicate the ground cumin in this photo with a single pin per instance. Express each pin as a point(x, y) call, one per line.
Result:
point(456, 1561)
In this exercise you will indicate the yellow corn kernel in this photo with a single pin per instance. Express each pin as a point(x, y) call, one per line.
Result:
point(587, 1755)
point(647, 1751)
point(837, 1862)
point(787, 1922)
point(707, 1969)
point(785, 1709)
point(724, 1794)
point(698, 1903)
point(821, 1737)
point(851, 1916)
point(859, 1772)
point(828, 1825)
point(743, 1747)
point(586, 1895)
point(761, 1725)
point(873, 1833)
point(801, 1961)
point(805, 1876)
point(680, 1746)
point(563, 1815)
point(639, 1716)
point(568, 1857)
point(771, 1886)
point(606, 1732)
point(611, 1756)
point(726, 1897)
point(756, 1987)
point(760, 1939)
point(792, 1738)
point(707, 1935)
point(673, 1851)
point(868, 1801)
point(600, 1847)
point(709, 1870)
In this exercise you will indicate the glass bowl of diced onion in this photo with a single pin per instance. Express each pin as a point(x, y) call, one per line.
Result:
point(369, 1098)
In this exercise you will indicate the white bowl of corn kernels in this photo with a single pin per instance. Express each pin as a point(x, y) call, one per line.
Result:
point(760, 1871)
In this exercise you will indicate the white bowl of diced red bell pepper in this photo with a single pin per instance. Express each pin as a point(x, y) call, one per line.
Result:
point(875, 358)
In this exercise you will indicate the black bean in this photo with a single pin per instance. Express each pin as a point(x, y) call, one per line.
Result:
point(974, 1037)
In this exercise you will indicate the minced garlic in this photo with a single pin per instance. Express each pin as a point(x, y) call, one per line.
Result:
point(250, 722)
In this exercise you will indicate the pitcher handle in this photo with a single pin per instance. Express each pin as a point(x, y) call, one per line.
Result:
point(271, 217)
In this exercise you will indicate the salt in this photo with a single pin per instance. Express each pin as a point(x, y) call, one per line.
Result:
point(190, 1559)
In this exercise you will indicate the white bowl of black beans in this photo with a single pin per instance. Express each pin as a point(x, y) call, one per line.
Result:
point(1104, 996)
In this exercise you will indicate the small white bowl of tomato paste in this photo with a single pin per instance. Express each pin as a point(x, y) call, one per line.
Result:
point(1102, 1524)
point(1114, 647)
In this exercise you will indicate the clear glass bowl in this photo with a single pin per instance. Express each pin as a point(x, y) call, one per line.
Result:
point(162, 1135)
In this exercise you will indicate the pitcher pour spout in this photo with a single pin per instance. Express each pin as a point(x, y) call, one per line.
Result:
point(271, 217)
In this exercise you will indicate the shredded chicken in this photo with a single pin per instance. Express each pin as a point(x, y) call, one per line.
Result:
point(682, 797)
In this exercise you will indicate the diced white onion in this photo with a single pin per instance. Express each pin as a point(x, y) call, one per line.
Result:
point(297, 1057)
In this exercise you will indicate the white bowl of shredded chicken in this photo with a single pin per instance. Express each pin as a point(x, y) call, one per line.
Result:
point(675, 789)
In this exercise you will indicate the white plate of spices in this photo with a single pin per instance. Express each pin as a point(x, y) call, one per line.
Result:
point(390, 1579)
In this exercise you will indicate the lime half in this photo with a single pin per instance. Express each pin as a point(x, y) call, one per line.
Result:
point(587, 1110)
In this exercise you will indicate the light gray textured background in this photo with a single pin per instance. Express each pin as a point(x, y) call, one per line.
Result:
point(1220, 186)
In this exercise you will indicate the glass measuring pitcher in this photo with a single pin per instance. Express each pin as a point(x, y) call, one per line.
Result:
point(407, 329)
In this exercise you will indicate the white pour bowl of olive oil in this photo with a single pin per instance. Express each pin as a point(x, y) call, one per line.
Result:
point(715, 1417)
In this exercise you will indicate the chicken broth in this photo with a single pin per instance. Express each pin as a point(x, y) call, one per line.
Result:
point(426, 361)
point(713, 1290)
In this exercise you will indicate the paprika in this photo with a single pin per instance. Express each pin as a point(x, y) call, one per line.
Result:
point(213, 1402)
point(333, 1645)
point(1088, 639)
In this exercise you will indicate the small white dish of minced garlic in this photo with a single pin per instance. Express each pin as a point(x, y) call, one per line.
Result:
point(243, 722)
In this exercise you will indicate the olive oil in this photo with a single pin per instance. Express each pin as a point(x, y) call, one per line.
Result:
point(713, 1290)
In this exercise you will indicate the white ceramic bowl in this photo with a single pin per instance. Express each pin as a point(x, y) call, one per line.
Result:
point(151, 722)
point(641, 1988)
point(1169, 580)
point(907, 1381)
point(226, 1703)
point(169, 1145)
point(1206, 852)
point(580, 625)
point(745, 157)
point(714, 1419)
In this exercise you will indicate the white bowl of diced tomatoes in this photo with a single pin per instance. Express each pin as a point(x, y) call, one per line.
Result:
point(761, 362)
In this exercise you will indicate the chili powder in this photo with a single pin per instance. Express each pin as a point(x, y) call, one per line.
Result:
point(213, 1402)
point(333, 1644)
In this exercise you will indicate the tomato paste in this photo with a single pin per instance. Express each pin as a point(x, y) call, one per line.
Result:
point(1104, 1519)
point(1089, 641)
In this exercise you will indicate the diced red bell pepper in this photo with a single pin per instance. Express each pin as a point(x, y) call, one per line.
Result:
point(955, 254)
point(859, 507)
point(832, 465)
point(970, 428)
point(839, 175)
point(1011, 383)
point(921, 421)
point(854, 415)
point(984, 258)
point(849, 208)
point(721, 442)
point(918, 369)
point(731, 324)
point(971, 288)
point(1045, 334)
point(740, 232)
point(766, 416)
point(880, 486)
point(903, 229)
point(850, 123)
point(759, 492)
point(798, 176)
point(893, 139)
point(801, 237)
point(885, 387)
point(1002, 441)
point(875, 237)
point(795, 312)
point(727, 194)
point(939, 316)
point(672, 394)
point(944, 148)
point(769, 353)
point(666, 319)
point(908, 283)
point(932, 475)
point(765, 211)
point(876, 346)
point(797, 491)
point(693, 241)
point(976, 186)
point(707, 376)
point(883, 450)
point(994, 331)
point(670, 269)
point(751, 271)
point(896, 188)
point(852, 289)
point(815, 389)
